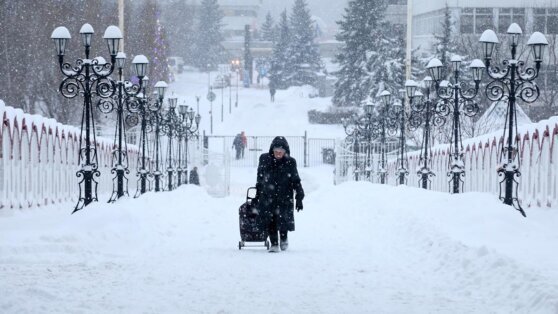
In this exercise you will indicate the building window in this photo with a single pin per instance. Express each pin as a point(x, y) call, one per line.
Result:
point(467, 21)
point(539, 20)
point(506, 16)
point(483, 20)
point(476, 20)
point(552, 21)
point(545, 20)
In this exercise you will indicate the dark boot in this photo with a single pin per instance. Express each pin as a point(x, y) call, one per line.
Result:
point(284, 241)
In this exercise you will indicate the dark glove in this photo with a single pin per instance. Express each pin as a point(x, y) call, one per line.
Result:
point(298, 205)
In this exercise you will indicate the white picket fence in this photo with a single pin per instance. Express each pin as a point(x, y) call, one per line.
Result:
point(538, 184)
point(39, 162)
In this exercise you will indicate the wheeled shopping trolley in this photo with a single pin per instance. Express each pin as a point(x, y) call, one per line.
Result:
point(251, 222)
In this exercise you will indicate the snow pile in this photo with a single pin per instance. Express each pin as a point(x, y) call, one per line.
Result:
point(389, 250)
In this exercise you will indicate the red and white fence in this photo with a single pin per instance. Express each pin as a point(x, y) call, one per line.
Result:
point(538, 184)
point(39, 161)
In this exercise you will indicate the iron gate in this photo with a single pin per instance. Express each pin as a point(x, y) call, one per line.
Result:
point(308, 152)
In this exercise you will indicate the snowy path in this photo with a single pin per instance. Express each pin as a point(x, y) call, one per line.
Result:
point(389, 250)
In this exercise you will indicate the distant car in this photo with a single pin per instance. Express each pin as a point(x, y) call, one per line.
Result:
point(176, 64)
point(221, 81)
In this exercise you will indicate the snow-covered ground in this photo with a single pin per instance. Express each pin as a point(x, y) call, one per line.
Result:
point(255, 114)
point(358, 247)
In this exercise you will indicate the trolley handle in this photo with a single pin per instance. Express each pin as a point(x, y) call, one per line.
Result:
point(251, 189)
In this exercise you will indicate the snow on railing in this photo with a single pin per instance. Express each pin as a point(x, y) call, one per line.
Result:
point(538, 183)
point(39, 161)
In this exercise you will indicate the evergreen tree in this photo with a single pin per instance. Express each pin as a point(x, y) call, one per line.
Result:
point(359, 32)
point(208, 48)
point(280, 66)
point(391, 63)
point(303, 51)
point(445, 44)
point(159, 64)
point(268, 28)
point(178, 21)
point(371, 59)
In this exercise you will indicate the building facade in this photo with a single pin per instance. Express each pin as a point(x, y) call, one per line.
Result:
point(237, 14)
point(472, 17)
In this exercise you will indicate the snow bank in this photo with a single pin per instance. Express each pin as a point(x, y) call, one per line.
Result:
point(389, 250)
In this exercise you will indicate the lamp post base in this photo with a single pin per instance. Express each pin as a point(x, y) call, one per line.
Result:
point(511, 186)
point(119, 184)
point(89, 193)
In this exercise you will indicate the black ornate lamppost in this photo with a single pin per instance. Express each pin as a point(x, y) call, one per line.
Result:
point(431, 112)
point(386, 124)
point(400, 114)
point(139, 114)
point(146, 110)
point(187, 130)
point(90, 78)
point(127, 93)
point(182, 111)
point(359, 128)
point(459, 96)
point(169, 127)
point(511, 81)
point(353, 137)
point(160, 88)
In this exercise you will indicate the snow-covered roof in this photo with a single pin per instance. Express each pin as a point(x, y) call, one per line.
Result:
point(494, 118)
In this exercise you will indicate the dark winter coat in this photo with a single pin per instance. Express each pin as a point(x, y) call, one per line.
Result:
point(277, 179)
point(194, 177)
point(237, 142)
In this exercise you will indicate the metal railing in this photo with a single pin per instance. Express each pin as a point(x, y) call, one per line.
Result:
point(308, 152)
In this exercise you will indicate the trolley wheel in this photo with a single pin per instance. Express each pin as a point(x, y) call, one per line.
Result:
point(240, 245)
point(267, 244)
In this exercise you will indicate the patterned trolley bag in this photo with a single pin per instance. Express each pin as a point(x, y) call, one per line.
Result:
point(251, 222)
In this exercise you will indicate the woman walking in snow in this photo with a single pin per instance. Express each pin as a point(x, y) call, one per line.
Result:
point(277, 180)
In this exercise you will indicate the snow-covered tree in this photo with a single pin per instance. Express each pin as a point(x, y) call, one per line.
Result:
point(304, 55)
point(159, 64)
point(178, 20)
point(445, 41)
point(208, 48)
point(372, 56)
point(268, 28)
point(280, 66)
